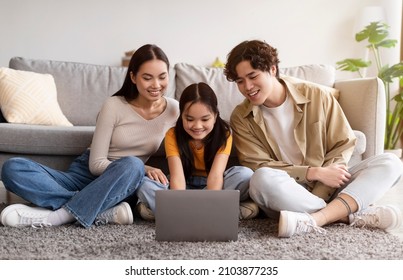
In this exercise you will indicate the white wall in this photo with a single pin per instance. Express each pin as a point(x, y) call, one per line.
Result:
point(100, 31)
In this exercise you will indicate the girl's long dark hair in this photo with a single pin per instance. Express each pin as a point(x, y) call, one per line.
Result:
point(216, 139)
point(143, 54)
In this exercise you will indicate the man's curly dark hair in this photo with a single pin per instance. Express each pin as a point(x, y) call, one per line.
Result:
point(261, 56)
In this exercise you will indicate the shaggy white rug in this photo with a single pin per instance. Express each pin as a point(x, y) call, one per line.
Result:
point(257, 240)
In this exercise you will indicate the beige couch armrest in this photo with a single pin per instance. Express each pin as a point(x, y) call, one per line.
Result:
point(363, 102)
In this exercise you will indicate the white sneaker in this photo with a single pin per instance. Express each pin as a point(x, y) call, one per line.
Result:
point(21, 215)
point(248, 210)
point(297, 223)
point(121, 214)
point(145, 212)
point(386, 217)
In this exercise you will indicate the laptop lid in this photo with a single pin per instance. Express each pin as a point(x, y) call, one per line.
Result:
point(197, 215)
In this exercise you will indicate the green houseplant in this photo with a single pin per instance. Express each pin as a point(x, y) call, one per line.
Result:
point(376, 34)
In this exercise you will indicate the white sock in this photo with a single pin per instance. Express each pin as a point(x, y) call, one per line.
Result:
point(60, 217)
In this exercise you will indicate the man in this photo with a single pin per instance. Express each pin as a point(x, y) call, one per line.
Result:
point(296, 138)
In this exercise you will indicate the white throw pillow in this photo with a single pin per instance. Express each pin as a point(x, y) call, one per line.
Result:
point(30, 98)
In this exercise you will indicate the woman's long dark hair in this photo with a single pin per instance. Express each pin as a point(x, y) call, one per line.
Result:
point(143, 54)
point(216, 139)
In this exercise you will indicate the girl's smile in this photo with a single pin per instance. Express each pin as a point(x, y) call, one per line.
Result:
point(198, 120)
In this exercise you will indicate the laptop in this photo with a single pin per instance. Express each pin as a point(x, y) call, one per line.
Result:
point(197, 215)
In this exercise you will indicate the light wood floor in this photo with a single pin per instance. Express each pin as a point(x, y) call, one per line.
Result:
point(394, 196)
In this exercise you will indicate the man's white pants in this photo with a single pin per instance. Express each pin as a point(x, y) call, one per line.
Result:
point(274, 190)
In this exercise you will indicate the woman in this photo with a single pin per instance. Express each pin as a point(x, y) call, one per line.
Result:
point(92, 190)
point(198, 148)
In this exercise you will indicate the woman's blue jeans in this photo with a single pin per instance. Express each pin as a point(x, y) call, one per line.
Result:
point(77, 190)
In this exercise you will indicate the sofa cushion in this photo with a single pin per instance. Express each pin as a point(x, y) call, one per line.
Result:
point(299, 81)
point(359, 149)
point(228, 95)
point(317, 73)
point(81, 87)
point(29, 98)
point(44, 140)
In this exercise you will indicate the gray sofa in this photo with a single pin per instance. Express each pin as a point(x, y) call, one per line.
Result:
point(82, 88)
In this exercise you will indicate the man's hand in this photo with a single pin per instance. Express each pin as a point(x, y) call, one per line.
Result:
point(334, 176)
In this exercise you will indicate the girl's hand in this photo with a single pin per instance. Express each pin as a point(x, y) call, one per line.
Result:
point(156, 174)
point(334, 175)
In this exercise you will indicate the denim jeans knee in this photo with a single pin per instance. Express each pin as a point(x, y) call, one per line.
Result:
point(120, 180)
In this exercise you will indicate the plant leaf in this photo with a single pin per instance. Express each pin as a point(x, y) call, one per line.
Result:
point(390, 43)
point(375, 33)
point(352, 64)
point(387, 74)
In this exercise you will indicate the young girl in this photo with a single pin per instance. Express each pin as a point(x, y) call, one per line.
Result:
point(95, 186)
point(198, 149)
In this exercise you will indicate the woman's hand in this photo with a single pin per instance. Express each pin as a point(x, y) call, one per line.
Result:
point(156, 174)
point(334, 175)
